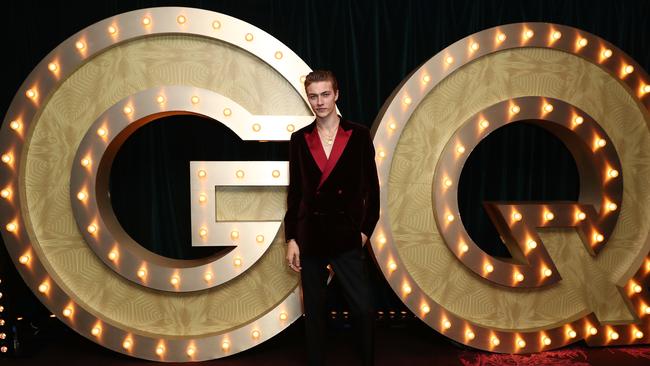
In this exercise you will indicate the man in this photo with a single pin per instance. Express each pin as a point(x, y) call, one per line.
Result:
point(332, 210)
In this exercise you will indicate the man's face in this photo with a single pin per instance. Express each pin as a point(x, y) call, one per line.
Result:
point(322, 98)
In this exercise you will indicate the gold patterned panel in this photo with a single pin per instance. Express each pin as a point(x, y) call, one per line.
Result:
point(111, 76)
point(477, 85)
point(250, 203)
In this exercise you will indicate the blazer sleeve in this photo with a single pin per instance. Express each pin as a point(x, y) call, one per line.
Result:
point(294, 194)
point(371, 185)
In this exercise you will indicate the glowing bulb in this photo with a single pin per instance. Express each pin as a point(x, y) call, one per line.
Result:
point(571, 333)
point(112, 30)
point(475, 46)
point(638, 334)
point(425, 79)
point(290, 127)
point(646, 310)
point(249, 37)
point(519, 277)
point(392, 126)
point(181, 19)
point(447, 182)
point(532, 244)
point(160, 350)
point(6, 158)
point(628, 69)
point(92, 228)
point(382, 154)
point(515, 109)
point(5, 193)
point(557, 35)
point(67, 312)
point(593, 331)
point(190, 351)
point(225, 345)
point(142, 273)
point(234, 234)
point(202, 173)
point(645, 89)
point(278, 55)
point(24, 259)
point(382, 239)
point(517, 216)
point(195, 99)
point(31, 94)
point(470, 335)
point(581, 215)
point(283, 316)
point(613, 335)
point(227, 112)
point(4, 349)
point(208, 277)
point(425, 309)
point(203, 198)
point(43, 288)
point(484, 124)
point(80, 45)
point(450, 218)
point(52, 66)
point(446, 324)
point(14, 125)
point(406, 288)
point(489, 268)
point(407, 100)
point(548, 216)
point(612, 206)
point(460, 149)
point(85, 162)
point(101, 132)
point(174, 280)
point(11, 227)
point(495, 341)
point(578, 120)
point(82, 196)
point(239, 173)
point(255, 334)
point(607, 53)
point(216, 24)
point(127, 344)
point(449, 60)
point(257, 127)
point(601, 142)
point(582, 42)
point(146, 21)
point(637, 289)
point(548, 108)
point(112, 255)
point(237, 262)
point(464, 248)
point(501, 37)
point(259, 239)
point(613, 173)
point(529, 34)
point(275, 174)
point(599, 237)
point(521, 343)
point(392, 265)
point(203, 232)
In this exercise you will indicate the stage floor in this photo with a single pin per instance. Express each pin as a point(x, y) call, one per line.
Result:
point(398, 342)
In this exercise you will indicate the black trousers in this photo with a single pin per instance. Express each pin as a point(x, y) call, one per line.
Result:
point(350, 269)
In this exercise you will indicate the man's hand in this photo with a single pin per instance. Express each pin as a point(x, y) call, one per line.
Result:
point(364, 238)
point(293, 255)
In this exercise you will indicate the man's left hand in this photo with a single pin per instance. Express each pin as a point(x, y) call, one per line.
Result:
point(364, 238)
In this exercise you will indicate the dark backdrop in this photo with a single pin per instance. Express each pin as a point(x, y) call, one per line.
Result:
point(371, 45)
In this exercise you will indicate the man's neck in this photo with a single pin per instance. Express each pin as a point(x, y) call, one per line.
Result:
point(330, 122)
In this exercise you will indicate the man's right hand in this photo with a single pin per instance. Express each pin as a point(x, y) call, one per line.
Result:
point(293, 255)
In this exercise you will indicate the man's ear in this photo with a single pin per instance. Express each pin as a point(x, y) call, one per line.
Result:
point(336, 95)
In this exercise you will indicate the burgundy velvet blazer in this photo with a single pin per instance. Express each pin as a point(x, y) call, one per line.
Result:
point(331, 201)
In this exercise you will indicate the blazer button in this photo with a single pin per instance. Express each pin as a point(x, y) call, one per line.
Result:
point(340, 191)
point(317, 193)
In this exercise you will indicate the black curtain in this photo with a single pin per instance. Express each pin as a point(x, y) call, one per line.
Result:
point(371, 45)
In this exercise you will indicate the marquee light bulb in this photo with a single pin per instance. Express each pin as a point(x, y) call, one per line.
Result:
point(259, 238)
point(501, 37)
point(255, 334)
point(52, 66)
point(581, 215)
point(425, 79)
point(96, 331)
point(24, 259)
point(556, 35)
point(548, 108)
point(80, 45)
point(216, 24)
point(548, 216)
point(517, 216)
point(645, 89)
point(601, 142)
point(249, 37)
point(160, 99)
point(583, 42)
point(593, 330)
point(547, 272)
point(174, 280)
point(234, 234)
point(12, 227)
point(290, 127)
point(237, 262)
point(637, 289)
point(464, 248)
point(546, 340)
point(449, 60)
point(101, 132)
point(67, 312)
point(278, 55)
point(208, 277)
point(450, 217)
point(160, 350)
point(203, 198)
point(239, 173)
point(613, 335)
point(392, 265)
point(470, 335)
point(283, 316)
point(515, 109)
point(181, 19)
point(141, 273)
point(628, 69)
point(495, 341)
point(532, 244)
point(275, 174)
point(225, 345)
point(484, 124)
point(146, 21)
point(489, 268)
point(529, 34)
point(521, 343)
point(85, 162)
point(202, 173)
point(227, 112)
point(82, 196)
point(571, 333)
point(92, 228)
point(612, 206)
point(475, 46)
point(613, 173)
point(638, 334)
point(519, 277)
point(195, 99)
point(43, 287)
point(607, 53)
point(5, 193)
point(578, 120)
point(447, 182)
point(112, 30)
point(7, 158)
point(599, 237)
point(406, 288)
point(190, 351)
point(446, 324)
point(203, 232)
point(112, 255)
point(127, 344)
point(425, 309)
point(407, 100)
point(460, 149)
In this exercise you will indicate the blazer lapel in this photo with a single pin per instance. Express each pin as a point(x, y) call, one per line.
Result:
point(316, 148)
point(340, 141)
